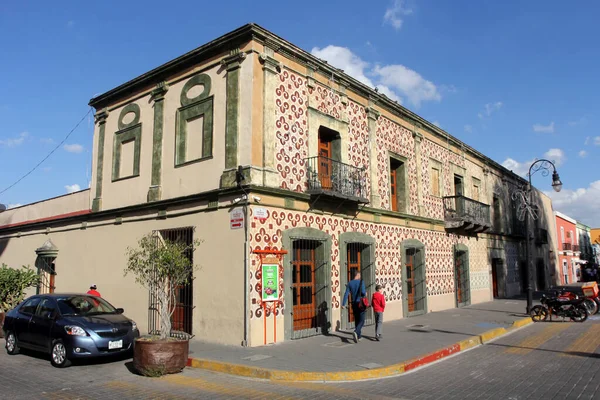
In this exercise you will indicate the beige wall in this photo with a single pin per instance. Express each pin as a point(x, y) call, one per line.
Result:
point(66, 204)
point(97, 255)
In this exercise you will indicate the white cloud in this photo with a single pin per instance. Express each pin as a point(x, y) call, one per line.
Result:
point(15, 205)
point(490, 108)
point(73, 148)
point(437, 123)
point(522, 168)
point(16, 141)
point(556, 155)
point(468, 128)
point(395, 81)
point(583, 154)
point(544, 128)
point(72, 188)
point(394, 14)
point(597, 141)
point(581, 204)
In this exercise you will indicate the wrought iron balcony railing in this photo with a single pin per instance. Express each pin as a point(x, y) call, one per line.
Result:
point(468, 215)
point(336, 179)
point(576, 247)
point(567, 246)
point(541, 236)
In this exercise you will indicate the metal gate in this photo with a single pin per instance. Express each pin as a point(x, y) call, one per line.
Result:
point(461, 278)
point(309, 283)
point(46, 273)
point(359, 259)
point(414, 278)
point(181, 319)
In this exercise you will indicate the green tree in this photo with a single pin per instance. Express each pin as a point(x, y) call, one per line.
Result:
point(13, 283)
point(161, 266)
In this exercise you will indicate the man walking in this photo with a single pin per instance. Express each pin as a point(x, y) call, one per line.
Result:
point(356, 289)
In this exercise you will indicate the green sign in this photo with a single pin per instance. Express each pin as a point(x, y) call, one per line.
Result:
point(270, 282)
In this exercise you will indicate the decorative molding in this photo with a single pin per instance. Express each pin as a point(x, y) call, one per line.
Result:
point(158, 95)
point(191, 109)
point(234, 60)
point(270, 63)
point(417, 137)
point(100, 118)
point(372, 113)
point(159, 92)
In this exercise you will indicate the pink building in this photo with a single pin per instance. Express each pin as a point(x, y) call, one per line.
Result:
point(568, 248)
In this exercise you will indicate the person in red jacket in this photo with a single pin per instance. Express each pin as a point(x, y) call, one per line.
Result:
point(378, 303)
point(93, 291)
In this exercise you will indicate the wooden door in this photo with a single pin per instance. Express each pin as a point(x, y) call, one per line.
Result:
point(303, 286)
point(495, 277)
point(325, 162)
point(461, 274)
point(410, 280)
point(394, 188)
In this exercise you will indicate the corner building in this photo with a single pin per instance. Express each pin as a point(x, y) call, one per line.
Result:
point(320, 165)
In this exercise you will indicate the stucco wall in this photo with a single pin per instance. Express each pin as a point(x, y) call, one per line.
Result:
point(97, 255)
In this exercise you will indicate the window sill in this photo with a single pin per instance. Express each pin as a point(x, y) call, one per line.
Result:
point(125, 178)
point(197, 160)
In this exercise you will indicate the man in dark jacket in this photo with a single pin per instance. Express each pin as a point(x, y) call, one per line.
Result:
point(356, 289)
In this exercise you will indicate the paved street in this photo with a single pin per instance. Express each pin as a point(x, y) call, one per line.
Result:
point(545, 360)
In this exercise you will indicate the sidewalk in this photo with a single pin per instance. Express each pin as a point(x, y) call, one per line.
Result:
point(407, 344)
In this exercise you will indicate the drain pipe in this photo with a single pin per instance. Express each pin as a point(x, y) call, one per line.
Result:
point(246, 272)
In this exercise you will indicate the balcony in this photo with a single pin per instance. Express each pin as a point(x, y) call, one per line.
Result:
point(465, 215)
point(567, 246)
point(541, 236)
point(576, 247)
point(331, 178)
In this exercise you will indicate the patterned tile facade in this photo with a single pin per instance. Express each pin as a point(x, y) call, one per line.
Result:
point(438, 250)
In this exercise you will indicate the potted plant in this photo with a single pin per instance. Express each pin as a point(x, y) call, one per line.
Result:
point(13, 283)
point(161, 266)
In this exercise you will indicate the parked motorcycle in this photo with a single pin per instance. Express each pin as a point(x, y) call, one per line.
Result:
point(563, 306)
point(590, 304)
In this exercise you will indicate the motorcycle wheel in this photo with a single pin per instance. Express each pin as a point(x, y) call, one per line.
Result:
point(538, 313)
point(591, 305)
point(579, 314)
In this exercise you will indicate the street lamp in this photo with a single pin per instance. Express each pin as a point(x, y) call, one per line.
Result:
point(527, 212)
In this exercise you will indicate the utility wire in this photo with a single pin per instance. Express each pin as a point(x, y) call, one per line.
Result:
point(49, 154)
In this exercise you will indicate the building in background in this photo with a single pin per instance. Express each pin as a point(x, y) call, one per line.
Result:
point(568, 248)
point(249, 142)
point(595, 241)
point(585, 243)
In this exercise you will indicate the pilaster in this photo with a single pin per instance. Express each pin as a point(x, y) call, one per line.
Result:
point(271, 69)
point(158, 96)
point(372, 117)
point(100, 119)
point(418, 139)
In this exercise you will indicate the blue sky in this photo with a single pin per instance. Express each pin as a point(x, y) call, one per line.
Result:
point(515, 80)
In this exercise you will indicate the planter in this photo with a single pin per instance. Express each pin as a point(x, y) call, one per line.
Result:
point(156, 357)
point(1, 324)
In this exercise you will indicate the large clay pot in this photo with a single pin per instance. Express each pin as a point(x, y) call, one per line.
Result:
point(1, 324)
point(155, 357)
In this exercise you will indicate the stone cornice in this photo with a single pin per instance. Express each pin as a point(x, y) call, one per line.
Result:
point(159, 92)
point(233, 60)
point(101, 116)
point(270, 63)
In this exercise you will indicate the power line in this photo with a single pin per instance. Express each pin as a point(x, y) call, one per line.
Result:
point(49, 154)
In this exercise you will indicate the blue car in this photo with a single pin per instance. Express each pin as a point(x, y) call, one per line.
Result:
point(69, 326)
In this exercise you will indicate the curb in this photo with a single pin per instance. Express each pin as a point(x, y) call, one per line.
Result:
point(390, 370)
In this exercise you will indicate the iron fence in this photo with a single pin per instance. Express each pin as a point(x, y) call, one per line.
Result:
point(328, 176)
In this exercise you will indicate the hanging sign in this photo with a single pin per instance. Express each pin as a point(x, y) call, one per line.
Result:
point(270, 282)
point(236, 218)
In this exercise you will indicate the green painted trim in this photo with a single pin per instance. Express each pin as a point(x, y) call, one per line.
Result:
point(132, 133)
point(129, 108)
point(100, 117)
point(405, 245)
point(158, 95)
point(232, 114)
point(289, 203)
point(204, 108)
point(288, 236)
point(362, 238)
point(402, 204)
point(200, 79)
point(461, 247)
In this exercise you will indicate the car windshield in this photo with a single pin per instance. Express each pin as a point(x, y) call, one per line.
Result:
point(84, 305)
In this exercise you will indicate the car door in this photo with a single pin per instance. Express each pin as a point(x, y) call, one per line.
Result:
point(42, 322)
point(22, 318)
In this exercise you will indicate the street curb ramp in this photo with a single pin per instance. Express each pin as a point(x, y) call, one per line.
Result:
point(390, 370)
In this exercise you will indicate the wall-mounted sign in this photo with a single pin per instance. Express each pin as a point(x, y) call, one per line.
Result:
point(236, 218)
point(260, 213)
point(270, 282)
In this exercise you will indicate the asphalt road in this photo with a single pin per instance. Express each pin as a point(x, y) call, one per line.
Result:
point(542, 361)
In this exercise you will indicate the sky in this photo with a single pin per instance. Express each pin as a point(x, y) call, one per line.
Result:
point(515, 80)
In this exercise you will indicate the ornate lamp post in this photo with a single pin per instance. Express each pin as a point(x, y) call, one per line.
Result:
point(527, 212)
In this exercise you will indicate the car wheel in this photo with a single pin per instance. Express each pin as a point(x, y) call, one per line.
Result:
point(58, 355)
point(12, 347)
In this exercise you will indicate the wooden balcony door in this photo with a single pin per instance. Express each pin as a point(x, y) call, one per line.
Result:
point(394, 189)
point(325, 161)
point(410, 280)
point(414, 285)
point(354, 257)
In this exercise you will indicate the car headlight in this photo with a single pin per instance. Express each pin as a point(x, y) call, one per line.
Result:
point(133, 325)
point(75, 330)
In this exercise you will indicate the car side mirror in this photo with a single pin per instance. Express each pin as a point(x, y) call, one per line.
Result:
point(120, 311)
